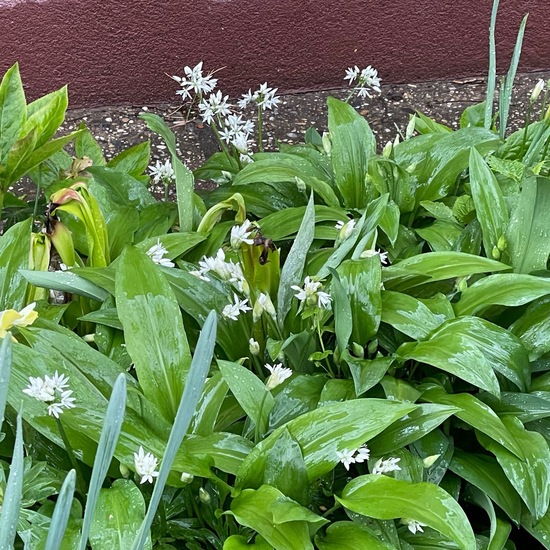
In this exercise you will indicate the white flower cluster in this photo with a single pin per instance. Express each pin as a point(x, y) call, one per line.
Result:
point(157, 253)
point(145, 465)
point(278, 375)
point(236, 132)
point(367, 79)
point(348, 457)
point(264, 97)
point(413, 526)
point(194, 81)
point(345, 229)
point(240, 234)
point(311, 296)
point(53, 390)
point(386, 466)
point(216, 105)
point(229, 272)
point(162, 173)
point(233, 310)
point(371, 253)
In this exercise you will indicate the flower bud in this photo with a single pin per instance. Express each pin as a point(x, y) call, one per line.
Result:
point(204, 496)
point(253, 346)
point(410, 128)
point(388, 148)
point(495, 253)
point(430, 460)
point(358, 350)
point(327, 143)
point(186, 478)
point(301, 184)
point(502, 243)
point(539, 87)
point(124, 470)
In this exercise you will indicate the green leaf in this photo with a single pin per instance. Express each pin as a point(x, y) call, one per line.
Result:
point(86, 146)
point(153, 330)
point(416, 425)
point(436, 266)
point(409, 315)
point(347, 535)
point(533, 328)
point(540, 530)
point(118, 515)
point(531, 476)
point(477, 414)
point(282, 522)
point(5, 369)
point(46, 114)
point(383, 497)
point(484, 472)
point(13, 112)
point(504, 289)
point(61, 513)
point(491, 209)
point(343, 322)
point(366, 373)
point(291, 274)
point(527, 234)
point(133, 161)
point(471, 348)
point(323, 432)
point(251, 393)
point(352, 144)
point(474, 115)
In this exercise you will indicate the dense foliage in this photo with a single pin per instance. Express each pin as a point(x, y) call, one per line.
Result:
point(336, 348)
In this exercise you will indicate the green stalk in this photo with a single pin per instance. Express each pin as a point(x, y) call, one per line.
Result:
point(260, 129)
point(525, 129)
point(72, 458)
point(257, 428)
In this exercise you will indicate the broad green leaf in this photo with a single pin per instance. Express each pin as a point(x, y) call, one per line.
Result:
point(426, 125)
point(475, 413)
point(291, 274)
point(251, 393)
point(153, 330)
point(323, 432)
point(5, 369)
point(440, 235)
point(65, 281)
point(352, 144)
point(206, 415)
point(436, 266)
point(540, 530)
point(87, 146)
point(504, 289)
point(46, 114)
point(491, 209)
point(383, 497)
point(527, 234)
point(238, 542)
point(132, 161)
point(362, 279)
point(484, 472)
point(282, 522)
point(471, 348)
point(531, 476)
point(526, 407)
point(474, 115)
point(347, 535)
point(13, 112)
point(366, 373)
point(409, 315)
point(343, 320)
point(15, 247)
point(404, 431)
point(121, 224)
point(118, 515)
point(533, 328)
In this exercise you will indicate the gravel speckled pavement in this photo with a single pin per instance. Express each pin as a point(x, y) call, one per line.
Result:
point(118, 127)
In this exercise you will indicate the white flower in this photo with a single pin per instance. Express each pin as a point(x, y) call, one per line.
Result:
point(145, 465)
point(367, 79)
point(352, 73)
point(386, 466)
point(278, 375)
point(52, 390)
point(233, 310)
point(413, 526)
point(363, 454)
point(195, 81)
point(264, 97)
point(215, 105)
point(157, 253)
point(162, 173)
point(227, 271)
point(310, 294)
point(371, 253)
point(345, 229)
point(263, 303)
point(246, 99)
point(346, 457)
point(539, 87)
point(241, 234)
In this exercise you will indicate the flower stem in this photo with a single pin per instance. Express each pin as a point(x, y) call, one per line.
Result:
point(260, 129)
point(74, 462)
point(527, 122)
point(257, 428)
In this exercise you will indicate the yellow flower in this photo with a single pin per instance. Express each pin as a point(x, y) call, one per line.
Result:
point(10, 318)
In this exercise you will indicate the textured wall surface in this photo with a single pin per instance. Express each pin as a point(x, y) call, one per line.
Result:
point(119, 51)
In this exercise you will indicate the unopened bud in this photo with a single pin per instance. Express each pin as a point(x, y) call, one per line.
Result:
point(358, 350)
point(228, 176)
point(327, 143)
point(430, 460)
point(386, 152)
point(410, 127)
point(502, 243)
point(496, 253)
point(253, 346)
point(539, 87)
point(300, 184)
point(204, 496)
point(412, 167)
point(186, 478)
point(124, 470)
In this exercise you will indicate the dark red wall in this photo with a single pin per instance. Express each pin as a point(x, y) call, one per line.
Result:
point(118, 51)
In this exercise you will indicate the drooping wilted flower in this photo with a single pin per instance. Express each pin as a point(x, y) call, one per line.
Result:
point(52, 390)
point(194, 81)
point(11, 318)
point(310, 295)
point(157, 253)
point(385, 466)
point(278, 375)
point(145, 465)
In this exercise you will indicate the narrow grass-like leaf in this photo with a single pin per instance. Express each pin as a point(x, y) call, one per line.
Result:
point(5, 369)
point(191, 395)
point(105, 451)
point(292, 271)
point(65, 281)
point(61, 513)
point(506, 88)
point(13, 493)
point(383, 497)
point(492, 76)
